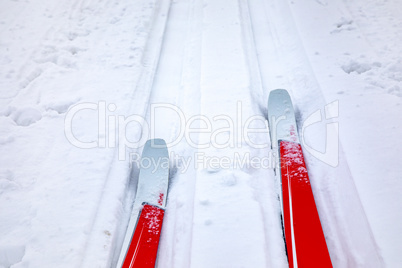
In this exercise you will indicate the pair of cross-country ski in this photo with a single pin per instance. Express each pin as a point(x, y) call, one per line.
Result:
point(304, 238)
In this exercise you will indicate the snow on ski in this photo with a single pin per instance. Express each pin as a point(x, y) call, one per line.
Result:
point(305, 241)
point(140, 246)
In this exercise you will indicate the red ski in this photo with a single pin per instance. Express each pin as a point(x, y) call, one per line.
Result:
point(140, 246)
point(304, 237)
point(144, 244)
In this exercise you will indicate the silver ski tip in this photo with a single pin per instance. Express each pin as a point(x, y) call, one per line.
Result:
point(155, 143)
point(279, 90)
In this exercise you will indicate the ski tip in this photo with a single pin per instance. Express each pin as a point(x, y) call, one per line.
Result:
point(279, 91)
point(155, 143)
point(155, 148)
point(277, 95)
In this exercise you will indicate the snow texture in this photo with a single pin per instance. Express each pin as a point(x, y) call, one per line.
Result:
point(73, 72)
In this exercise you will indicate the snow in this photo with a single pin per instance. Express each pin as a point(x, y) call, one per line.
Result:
point(107, 75)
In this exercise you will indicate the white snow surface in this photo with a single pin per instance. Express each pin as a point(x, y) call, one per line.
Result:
point(84, 83)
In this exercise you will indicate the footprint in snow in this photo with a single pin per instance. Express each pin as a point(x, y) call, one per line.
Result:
point(357, 67)
point(229, 180)
point(11, 254)
point(26, 116)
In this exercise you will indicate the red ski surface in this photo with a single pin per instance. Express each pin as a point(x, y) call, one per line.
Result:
point(305, 242)
point(144, 244)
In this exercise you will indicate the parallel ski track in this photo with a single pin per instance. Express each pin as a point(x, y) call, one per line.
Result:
point(259, 92)
point(177, 84)
point(247, 181)
point(114, 195)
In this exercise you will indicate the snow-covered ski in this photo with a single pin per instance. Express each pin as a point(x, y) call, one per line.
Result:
point(304, 237)
point(140, 246)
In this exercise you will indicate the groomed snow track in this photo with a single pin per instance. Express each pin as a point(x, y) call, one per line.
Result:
point(218, 217)
point(230, 218)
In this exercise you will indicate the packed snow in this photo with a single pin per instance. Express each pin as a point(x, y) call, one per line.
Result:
point(84, 84)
